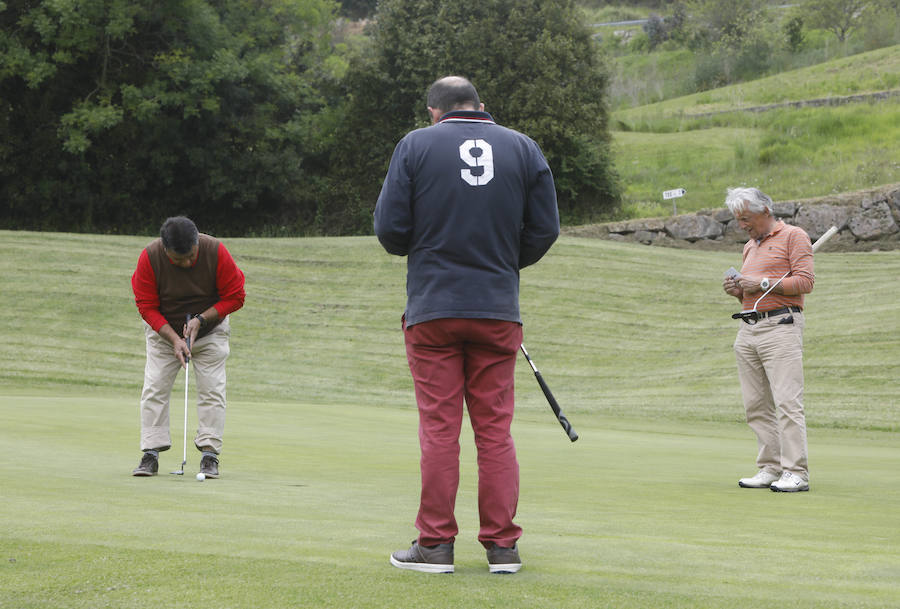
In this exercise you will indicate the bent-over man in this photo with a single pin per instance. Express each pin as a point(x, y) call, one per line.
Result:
point(185, 275)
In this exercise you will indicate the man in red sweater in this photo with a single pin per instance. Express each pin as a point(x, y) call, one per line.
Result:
point(185, 275)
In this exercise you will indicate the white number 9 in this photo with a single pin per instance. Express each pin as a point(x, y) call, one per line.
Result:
point(485, 160)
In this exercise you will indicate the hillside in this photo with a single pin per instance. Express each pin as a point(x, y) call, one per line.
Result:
point(790, 152)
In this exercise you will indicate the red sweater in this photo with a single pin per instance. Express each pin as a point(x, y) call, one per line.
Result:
point(229, 285)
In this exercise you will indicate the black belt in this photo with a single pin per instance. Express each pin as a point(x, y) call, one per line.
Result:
point(781, 311)
point(751, 317)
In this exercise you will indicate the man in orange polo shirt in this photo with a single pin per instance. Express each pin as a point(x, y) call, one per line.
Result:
point(769, 346)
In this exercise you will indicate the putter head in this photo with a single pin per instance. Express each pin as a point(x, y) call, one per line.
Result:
point(179, 472)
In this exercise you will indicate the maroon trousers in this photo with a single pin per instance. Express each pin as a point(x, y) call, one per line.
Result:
point(472, 359)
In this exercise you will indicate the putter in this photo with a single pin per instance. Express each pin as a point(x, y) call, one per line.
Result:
point(554, 405)
point(752, 316)
point(187, 368)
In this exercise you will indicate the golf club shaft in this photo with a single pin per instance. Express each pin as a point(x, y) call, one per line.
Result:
point(554, 405)
point(821, 240)
point(187, 371)
point(184, 444)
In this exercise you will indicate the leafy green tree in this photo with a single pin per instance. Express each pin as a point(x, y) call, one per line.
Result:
point(358, 9)
point(733, 39)
point(840, 17)
point(793, 33)
point(714, 21)
point(534, 64)
point(114, 113)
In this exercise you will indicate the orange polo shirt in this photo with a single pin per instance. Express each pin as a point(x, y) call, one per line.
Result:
point(786, 248)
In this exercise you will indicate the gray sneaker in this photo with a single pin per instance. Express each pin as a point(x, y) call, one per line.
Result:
point(148, 467)
point(504, 560)
point(433, 559)
point(209, 466)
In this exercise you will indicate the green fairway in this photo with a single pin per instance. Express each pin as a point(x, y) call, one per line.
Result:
point(320, 464)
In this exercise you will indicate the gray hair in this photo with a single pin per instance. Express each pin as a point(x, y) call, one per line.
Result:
point(755, 200)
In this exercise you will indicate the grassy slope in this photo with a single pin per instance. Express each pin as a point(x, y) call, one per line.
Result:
point(322, 322)
point(873, 71)
point(790, 153)
point(321, 459)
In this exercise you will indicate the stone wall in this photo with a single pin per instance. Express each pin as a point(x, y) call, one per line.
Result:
point(866, 220)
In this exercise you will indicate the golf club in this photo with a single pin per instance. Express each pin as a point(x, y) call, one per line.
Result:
point(752, 316)
point(552, 400)
point(187, 369)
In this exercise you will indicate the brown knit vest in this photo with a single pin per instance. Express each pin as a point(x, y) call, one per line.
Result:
point(186, 291)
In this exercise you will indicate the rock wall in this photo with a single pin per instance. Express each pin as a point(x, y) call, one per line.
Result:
point(866, 220)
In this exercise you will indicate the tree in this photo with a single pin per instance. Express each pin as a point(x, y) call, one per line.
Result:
point(839, 17)
point(358, 9)
point(534, 64)
point(712, 21)
point(793, 33)
point(115, 114)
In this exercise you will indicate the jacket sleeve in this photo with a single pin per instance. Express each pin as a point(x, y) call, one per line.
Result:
point(540, 226)
point(393, 211)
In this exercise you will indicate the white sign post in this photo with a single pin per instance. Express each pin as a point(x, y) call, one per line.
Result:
point(673, 194)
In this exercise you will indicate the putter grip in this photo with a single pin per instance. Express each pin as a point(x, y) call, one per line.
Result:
point(554, 405)
point(187, 339)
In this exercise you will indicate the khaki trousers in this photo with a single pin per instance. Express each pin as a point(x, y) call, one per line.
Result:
point(208, 355)
point(770, 368)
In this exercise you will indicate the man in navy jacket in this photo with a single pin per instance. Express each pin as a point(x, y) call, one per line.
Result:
point(470, 203)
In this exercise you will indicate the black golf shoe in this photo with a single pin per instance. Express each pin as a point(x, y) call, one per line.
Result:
point(209, 466)
point(148, 467)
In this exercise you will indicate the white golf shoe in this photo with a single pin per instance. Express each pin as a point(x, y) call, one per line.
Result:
point(762, 479)
point(790, 483)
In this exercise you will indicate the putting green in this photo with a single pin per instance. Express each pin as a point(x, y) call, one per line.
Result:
point(313, 498)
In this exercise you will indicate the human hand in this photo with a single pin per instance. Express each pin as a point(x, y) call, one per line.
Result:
point(182, 350)
point(750, 285)
point(732, 287)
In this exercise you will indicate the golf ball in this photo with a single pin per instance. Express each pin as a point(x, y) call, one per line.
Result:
point(201, 477)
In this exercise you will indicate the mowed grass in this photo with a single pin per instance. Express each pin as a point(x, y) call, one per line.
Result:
point(320, 467)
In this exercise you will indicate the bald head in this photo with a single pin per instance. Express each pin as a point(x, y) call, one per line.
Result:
point(453, 93)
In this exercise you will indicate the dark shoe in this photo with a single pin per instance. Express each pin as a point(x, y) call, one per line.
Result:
point(209, 466)
point(148, 467)
point(503, 560)
point(434, 559)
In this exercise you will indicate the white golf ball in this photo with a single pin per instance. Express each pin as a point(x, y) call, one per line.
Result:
point(201, 476)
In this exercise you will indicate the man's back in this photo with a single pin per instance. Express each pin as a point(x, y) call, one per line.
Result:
point(470, 202)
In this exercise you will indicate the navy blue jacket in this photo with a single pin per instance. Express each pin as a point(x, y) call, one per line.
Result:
point(470, 202)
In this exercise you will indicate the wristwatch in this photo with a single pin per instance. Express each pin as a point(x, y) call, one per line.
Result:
point(203, 319)
point(764, 284)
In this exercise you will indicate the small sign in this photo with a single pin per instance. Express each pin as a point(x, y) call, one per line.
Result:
point(672, 194)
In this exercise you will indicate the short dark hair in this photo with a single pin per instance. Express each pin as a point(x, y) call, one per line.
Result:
point(452, 93)
point(179, 235)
